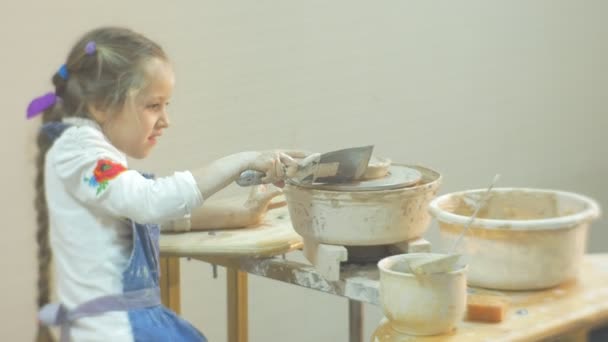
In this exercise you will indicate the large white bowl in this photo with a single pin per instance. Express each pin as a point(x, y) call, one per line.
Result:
point(522, 239)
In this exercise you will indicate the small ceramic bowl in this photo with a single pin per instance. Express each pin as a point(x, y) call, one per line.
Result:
point(428, 304)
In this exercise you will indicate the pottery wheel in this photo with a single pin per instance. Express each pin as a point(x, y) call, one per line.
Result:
point(398, 176)
point(367, 254)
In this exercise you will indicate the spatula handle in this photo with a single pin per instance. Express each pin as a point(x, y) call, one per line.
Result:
point(304, 168)
point(250, 177)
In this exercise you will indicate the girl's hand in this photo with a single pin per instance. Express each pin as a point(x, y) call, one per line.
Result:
point(259, 202)
point(277, 164)
point(220, 173)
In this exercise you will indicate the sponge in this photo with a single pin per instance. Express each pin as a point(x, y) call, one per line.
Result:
point(486, 308)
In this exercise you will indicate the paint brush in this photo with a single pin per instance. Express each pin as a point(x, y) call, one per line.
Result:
point(445, 263)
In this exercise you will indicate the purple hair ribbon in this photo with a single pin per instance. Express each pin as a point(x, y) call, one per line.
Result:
point(40, 104)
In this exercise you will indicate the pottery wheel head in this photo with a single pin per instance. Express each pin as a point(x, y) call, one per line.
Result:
point(398, 176)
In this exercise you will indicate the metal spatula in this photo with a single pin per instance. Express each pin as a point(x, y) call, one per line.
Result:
point(332, 167)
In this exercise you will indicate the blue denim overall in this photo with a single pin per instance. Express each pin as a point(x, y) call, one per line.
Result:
point(150, 321)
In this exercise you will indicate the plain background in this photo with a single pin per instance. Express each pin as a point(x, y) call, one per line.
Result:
point(470, 88)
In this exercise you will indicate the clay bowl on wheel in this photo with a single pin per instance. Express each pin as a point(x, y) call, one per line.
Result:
point(371, 213)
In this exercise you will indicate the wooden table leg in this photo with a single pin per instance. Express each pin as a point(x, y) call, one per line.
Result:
point(580, 335)
point(169, 283)
point(237, 305)
point(355, 321)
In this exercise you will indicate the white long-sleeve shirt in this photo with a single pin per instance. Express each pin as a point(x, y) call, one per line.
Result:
point(90, 240)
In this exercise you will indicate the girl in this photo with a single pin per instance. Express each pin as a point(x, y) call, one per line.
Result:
point(110, 102)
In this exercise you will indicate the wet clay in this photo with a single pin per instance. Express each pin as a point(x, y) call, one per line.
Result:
point(515, 205)
point(377, 168)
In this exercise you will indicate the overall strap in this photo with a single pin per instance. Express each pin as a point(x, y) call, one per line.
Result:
point(54, 129)
point(56, 314)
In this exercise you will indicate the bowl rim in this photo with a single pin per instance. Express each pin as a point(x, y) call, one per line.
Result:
point(383, 267)
point(591, 212)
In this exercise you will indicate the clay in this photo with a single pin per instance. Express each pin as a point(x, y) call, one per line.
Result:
point(435, 263)
point(377, 168)
point(515, 205)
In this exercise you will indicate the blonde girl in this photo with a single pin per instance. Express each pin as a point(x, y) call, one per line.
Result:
point(99, 218)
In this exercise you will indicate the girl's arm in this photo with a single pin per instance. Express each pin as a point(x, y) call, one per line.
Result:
point(220, 173)
point(93, 172)
point(224, 215)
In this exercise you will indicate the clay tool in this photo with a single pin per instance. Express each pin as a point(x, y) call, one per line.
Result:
point(445, 263)
point(332, 167)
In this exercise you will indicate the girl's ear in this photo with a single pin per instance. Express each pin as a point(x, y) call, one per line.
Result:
point(99, 116)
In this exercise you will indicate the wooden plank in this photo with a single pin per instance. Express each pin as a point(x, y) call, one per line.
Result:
point(274, 236)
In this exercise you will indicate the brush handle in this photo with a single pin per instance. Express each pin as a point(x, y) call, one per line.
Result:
point(480, 204)
point(250, 177)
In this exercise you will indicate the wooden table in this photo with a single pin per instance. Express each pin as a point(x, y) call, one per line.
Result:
point(572, 308)
point(218, 247)
point(568, 311)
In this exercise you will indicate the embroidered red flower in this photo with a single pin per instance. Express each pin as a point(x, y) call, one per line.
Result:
point(107, 169)
point(104, 171)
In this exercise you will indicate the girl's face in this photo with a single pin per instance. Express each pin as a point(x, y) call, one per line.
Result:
point(136, 129)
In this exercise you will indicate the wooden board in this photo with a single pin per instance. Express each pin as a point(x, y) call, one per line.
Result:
point(535, 315)
point(274, 236)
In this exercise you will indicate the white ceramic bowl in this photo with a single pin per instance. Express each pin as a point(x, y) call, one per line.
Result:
point(522, 239)
point(428, 304)
point(355, 218)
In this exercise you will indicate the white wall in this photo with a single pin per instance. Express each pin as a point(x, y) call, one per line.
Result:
point(471, 88)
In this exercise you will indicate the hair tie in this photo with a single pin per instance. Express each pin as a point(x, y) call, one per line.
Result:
point(40, 104)
point(46, 101)
point(63, 72)
point(90, 48)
